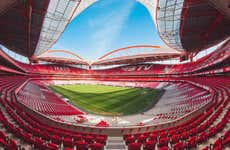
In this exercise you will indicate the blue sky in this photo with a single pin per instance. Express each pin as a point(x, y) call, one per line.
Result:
point(107, 25)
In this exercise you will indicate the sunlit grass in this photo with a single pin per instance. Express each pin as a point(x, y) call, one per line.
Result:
point(108, 100)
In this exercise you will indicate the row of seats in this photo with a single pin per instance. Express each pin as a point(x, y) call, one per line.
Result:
point(5, 141)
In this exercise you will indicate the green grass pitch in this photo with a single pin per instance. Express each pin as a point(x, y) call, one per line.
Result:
point(108, 100)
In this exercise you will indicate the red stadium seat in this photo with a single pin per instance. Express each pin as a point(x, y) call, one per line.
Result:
point(130, 140)
point(51, 146)
point(134, 146)
point(175, 139)
point(3, 142)
point(68, 142)
point(12, 145)
point(81, 145)
point(163, 148)
point(101, 139)
point(77, 137)
point(89, 139)
point(163, 142)
point(153, 137)
point(27, 137)
point(56, 139)
point(202, 137)
point(218, 145)
point(149, 145)
point(184, 135)
point(192, 142)
point(142, 138)
point(226, 138)
point(96, 146)
point(179, 146)
point(45, 135)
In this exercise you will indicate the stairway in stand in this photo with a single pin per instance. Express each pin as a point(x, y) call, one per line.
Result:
point(115, 143)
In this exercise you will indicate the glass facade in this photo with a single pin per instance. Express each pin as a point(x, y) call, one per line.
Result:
point(14, 55)
point(57, 17)
point(168, 21)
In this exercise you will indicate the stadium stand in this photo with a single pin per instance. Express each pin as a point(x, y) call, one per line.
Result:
point(213, 120)
point(193, 112)
point(187, 134)
point(39, 98)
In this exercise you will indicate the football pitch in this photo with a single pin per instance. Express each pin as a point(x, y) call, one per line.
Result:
point(109, 100)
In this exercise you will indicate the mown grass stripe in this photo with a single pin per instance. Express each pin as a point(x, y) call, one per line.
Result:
point(102, 99)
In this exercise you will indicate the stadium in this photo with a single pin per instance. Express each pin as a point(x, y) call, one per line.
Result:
point(173, 96)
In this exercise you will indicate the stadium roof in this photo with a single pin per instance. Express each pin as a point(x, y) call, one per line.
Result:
point(193, 25)
point(31, 27)
point(137, 54)
point(61, 56)
point(131, 54)
point(21, 24)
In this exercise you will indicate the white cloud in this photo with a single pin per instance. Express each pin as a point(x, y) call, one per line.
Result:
point(151, 7)
point(109, 27)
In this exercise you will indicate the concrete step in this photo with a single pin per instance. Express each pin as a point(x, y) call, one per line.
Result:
point(115, 147)
point(115, 143)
